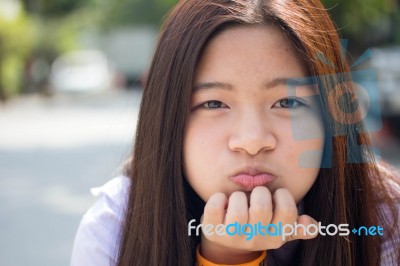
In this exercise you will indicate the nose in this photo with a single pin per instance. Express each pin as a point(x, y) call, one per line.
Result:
point(252, 134)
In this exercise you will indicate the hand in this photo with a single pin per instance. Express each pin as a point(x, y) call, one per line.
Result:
point(233, 249)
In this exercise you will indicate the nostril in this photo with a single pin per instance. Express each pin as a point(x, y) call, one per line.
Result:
point(252, 146)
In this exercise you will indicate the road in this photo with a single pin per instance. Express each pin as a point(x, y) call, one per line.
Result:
point(52, 151)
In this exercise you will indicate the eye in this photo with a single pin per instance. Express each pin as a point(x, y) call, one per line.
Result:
point(213, 105)
point(290, 103)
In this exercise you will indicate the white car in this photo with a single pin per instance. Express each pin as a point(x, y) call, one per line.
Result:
point(81, 71)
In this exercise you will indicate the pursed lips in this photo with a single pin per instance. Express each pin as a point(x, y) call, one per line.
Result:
point(252, 177)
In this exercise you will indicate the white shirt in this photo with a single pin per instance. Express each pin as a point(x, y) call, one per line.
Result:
point(98, 232)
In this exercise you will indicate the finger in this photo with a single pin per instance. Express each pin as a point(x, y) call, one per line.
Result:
point(237, 208)
point(306, 228)
point(260, 206)
point(285, 211)
point(214, 210)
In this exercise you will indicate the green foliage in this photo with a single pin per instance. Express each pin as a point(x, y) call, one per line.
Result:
point(53, 8)
point(133, 11)
point(11, 32)
point(16, 40)
point(354, 16)
point(366, 22)
point(55, 36)
point(111, 12)
point(11, 71)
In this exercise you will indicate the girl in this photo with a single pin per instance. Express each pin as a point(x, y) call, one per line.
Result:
point(240, 122)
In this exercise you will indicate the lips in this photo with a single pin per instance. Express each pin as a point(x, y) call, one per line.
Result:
point(250, 181)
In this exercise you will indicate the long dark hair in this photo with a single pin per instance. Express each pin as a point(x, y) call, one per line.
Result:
point(161, 202)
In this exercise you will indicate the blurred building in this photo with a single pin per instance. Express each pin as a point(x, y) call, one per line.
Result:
point(129, 49)
point(386, 61)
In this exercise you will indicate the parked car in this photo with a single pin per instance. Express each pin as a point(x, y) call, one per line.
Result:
point(81, 71)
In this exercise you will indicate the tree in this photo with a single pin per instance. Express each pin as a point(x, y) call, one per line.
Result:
point(366, 23)
point(52, 8)
point(15, 44)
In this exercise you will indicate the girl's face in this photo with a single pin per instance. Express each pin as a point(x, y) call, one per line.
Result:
point(243, 129)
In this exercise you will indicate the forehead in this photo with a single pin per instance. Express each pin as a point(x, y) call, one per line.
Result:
point(249, 51)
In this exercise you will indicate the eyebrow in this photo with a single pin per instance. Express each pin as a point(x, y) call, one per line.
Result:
point(226, 86)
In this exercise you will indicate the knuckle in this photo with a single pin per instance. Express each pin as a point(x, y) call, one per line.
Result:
point(288, 211)
point(258, 209)
point(236, 214)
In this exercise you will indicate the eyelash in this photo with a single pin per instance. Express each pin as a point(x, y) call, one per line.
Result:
point(203, 105)
point(299, 102)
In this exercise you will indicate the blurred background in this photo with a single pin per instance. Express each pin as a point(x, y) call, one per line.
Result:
point(70, 87)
